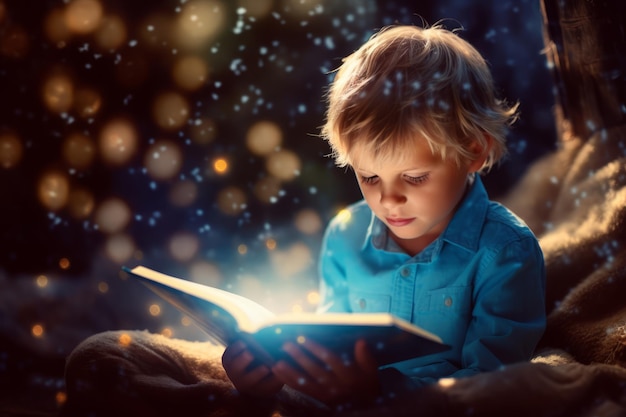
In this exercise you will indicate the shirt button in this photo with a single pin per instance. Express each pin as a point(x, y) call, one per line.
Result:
point(448, 301)
point(405, 272)
point(362, 303)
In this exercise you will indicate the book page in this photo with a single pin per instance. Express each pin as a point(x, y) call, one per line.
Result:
point(215, 310)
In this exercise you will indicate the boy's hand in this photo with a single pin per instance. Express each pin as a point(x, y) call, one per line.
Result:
point(255, 380)
point(326, 376)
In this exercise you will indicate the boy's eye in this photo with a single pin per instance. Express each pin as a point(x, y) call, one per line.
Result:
point(369, 180)
point(417, 180)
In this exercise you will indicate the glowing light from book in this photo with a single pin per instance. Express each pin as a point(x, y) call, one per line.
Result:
point(203, 131)
point(58, 93)
point(103, 287)
point(256, 8)
point(118, 142)
point(263, 138)
point(41, 281)
point(170, 110)
point(183, 193)
point(154, 310)
point(267, 189)
point(119, 247)
point(308, 222)
point(198, 22)
point(64, 263)
point(283, 164)
point(220, 166)
point(124, 339)
point(79, 151)
point(87, 102)
point(313, 297)
point(242, 249)
point(190, 72)
point(53, 190)
point(112, 33)
point(81, 203)
point(183, 246)
point(231, 200)
point(83, 16)
point(37, 330)
point(163, 159)
point(270, 243)
point(112, 215)
point(300, 339)
point(11, 150)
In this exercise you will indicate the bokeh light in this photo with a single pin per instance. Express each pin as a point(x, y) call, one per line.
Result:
point(205, 273)
point(198, 22)
point(111, 33)
point(64, 263)
point(313, 298)
point(170, 110)
point(125, 339)
point(83, 16)
point(154, 309)
point(37, 330)
point(81, 203)
point(11, 150)
point(53, 190)
point(183, 246)
point(87, 102)
point(190, 72)
point(56, 29)
point(79, 151)
point(283, 164)
point(112, 215)
point(267, 190)
point(183, 193)
point(119, 248)
point(41, 281)
point(163, 159)
point(58, 93)
point(220, 166)
point(231, 200)
point(308, 221)
point(118, 142)
point(263, 137)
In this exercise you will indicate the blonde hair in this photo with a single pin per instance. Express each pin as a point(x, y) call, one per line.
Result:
point(408, 82)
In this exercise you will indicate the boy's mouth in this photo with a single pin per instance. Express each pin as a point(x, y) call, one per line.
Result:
point(398, 222)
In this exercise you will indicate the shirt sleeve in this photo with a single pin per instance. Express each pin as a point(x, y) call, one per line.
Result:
point(508, 317)
point(509, 314)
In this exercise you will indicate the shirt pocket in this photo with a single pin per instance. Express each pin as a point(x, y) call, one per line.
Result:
point(367, 302)
point(451, 300)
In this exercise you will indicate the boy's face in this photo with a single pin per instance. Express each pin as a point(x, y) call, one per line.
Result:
point(415, 194)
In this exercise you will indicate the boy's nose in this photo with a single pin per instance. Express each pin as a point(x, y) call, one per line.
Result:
point(391, 198)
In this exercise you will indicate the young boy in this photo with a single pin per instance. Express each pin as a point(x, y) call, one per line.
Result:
point(413, 112)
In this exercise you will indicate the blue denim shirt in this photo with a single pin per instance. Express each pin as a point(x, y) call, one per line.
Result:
point(480, 285)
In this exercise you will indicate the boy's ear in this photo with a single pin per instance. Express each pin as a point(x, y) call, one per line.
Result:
point(481, 152)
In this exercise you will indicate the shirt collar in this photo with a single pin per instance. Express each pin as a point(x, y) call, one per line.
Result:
point(463, 230)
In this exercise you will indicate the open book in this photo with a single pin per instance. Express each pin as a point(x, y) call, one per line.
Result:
point(227, 317)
